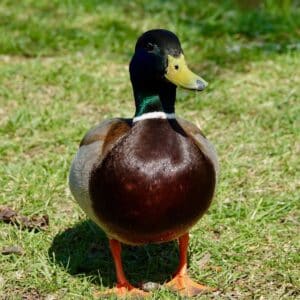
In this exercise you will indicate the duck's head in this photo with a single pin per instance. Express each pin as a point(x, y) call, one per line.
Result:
point(158, 66)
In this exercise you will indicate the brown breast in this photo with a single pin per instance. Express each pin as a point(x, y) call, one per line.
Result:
point(153, 185)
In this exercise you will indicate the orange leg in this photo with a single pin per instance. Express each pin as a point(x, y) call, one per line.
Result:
point(123, 287)
point(181, 281)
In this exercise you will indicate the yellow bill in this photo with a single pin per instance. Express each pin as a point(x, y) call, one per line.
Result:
point(179, 74)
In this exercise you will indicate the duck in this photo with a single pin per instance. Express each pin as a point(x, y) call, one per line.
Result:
point(149, 178)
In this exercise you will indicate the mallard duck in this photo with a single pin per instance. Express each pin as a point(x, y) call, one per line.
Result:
point(150, 178)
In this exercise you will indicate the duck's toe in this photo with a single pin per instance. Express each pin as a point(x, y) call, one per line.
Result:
point(186, 286)
point(125, 291)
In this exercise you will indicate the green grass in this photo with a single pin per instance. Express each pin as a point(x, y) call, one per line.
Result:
point(63, 68)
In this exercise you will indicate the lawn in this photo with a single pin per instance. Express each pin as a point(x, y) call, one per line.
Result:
point(64, 68)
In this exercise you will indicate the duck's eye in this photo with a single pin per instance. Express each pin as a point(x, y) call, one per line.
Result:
point(149, 47)
point(176, 67)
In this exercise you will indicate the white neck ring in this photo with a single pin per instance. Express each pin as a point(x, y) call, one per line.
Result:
point(154, 115)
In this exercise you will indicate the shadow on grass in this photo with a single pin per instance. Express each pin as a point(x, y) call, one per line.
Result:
point(83, 249)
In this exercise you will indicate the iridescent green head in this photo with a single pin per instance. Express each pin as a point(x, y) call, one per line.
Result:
point(157, 68)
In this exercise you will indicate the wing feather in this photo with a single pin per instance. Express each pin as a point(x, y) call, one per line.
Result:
point(201, 141)
point(93, 148)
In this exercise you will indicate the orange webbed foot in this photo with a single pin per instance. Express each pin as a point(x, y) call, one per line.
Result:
point(123, 291)
point(181, 282)
point(186, 286)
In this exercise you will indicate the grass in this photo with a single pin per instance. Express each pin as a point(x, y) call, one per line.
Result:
point(63, 68)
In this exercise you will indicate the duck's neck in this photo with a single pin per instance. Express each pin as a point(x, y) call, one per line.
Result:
point(162, 100)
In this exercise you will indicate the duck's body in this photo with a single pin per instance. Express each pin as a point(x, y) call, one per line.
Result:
point(148, 179)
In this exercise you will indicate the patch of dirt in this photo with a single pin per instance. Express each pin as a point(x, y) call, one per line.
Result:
point(28, 294)
point(12, 250)
point(34, 223)
point(31, 294)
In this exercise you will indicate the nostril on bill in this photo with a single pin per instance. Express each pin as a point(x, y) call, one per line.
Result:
point(200, 85)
